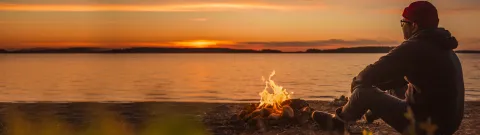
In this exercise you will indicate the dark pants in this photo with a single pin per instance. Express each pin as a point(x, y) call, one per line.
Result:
point(389, 108)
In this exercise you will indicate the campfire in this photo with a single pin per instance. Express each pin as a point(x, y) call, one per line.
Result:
point(276, 108)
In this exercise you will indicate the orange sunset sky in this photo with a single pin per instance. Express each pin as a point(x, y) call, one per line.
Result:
point(288, 25)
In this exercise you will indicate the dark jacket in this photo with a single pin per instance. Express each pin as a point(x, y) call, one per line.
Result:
point(433, 72)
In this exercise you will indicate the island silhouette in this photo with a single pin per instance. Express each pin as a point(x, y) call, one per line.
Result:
point(363, 49)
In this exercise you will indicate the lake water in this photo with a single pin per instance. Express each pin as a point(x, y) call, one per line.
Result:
point(187, 77)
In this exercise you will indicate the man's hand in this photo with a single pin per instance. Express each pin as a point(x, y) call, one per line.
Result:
point(354, 85)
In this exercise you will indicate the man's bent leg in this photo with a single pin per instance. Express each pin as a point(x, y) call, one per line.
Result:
point(387, 107)
point(396, 92)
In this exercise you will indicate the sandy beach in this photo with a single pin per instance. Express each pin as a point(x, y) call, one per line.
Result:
point(159, 118)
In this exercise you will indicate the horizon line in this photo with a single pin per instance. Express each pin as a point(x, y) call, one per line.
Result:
point(245, 49)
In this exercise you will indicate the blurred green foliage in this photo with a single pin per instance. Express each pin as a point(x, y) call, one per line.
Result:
point(99, 120)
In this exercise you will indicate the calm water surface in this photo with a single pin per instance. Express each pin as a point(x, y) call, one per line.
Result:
point(187, 77)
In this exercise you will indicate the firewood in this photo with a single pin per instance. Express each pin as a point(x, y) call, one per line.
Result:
point(250, 107)
point(264, 112)
point(252, 115)
point(286, 102)
point(292, 111)
point(297, 103)
point(274, 116)
point(275, 119)
point(306, 109)
point(287, 112)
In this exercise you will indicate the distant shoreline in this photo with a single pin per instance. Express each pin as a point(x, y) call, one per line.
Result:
point(365, 49)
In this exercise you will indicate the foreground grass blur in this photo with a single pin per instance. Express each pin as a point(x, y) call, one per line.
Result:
point(96, 119)
point(173, 125)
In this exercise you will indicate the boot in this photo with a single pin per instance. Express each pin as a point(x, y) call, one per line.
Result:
point(370, 117)
point(328, 121)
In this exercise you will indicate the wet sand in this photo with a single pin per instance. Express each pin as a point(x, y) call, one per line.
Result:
point(164, 118)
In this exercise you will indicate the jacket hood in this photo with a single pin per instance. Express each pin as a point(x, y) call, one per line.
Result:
point(439, 36)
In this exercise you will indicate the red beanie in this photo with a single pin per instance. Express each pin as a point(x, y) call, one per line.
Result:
point(423, 13)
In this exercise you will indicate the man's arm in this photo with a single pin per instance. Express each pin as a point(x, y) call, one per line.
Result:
point(389, 68)
point(392, 84)
point(389, 85)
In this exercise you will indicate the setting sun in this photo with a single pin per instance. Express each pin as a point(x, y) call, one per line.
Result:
point(201, 43)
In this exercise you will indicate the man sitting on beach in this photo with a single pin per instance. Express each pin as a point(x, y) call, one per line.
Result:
point(426, 63)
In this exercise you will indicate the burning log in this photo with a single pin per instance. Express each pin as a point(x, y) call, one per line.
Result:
point(274, 116)
point(264, 112)
point(275, 108)
point(293, 111)
point(287, 112)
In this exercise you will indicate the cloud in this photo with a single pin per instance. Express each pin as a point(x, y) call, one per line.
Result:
point(54, 22)
point(62, 44)
point(471, 43)
point(319, 43)
point(228, 44)
point(152, 8)
point(443, 7)
point(471, 40)
point(459, 10)
point(157, 6)
point(447, 11)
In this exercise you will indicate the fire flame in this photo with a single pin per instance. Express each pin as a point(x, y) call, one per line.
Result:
point(274, 99)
